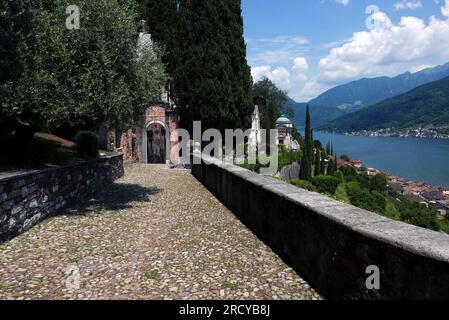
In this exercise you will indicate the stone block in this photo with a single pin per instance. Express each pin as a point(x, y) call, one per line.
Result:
point(15, 210)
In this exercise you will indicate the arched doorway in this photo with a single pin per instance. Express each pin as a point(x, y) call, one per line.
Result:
point(156, 143)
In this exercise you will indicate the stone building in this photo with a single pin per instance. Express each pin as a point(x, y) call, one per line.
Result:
point(154, 138)
point(284, 129)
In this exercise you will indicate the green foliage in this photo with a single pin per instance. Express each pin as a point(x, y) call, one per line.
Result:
point(317, 163)
point(348, 172)
point(364, 199)
point(339, 175)
point(345, 157)
point(418, 215)
point(390, 209)
point(379, 183)
point(326, 184)
point(288, 157)
point(282, 147)
point(341, 195)
point(271, 101)
point(87, 143)
point(80, 78)
point(332, 167)
point(304, 185)
point(365, 182)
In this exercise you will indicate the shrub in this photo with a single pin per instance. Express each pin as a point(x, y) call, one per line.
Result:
point(326, 184)
point(364, 180)
point(341, 195)
point(348, 171)
point(87, 143)
point(345, 157)
point(303, 185)
point(421, 216)
point(379, 183)
point(363, 198)
point(282, 147)
point(339, 175)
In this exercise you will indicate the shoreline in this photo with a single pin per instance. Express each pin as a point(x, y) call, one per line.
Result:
point(375, 134)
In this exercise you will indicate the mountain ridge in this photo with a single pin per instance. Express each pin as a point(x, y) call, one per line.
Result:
point(360, 94)
point(424, 106)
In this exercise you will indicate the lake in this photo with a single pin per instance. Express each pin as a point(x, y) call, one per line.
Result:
point(415, 159)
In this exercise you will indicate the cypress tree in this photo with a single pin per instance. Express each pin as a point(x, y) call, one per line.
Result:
point(311, 146)
point(317, 171)
point(206, 59)
point(335, 165)
point(306, 162)
point(322, 166)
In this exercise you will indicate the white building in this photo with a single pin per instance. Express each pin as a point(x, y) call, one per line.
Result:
point(284, 128)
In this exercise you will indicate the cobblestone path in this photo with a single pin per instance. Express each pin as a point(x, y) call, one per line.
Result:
point(155, 234)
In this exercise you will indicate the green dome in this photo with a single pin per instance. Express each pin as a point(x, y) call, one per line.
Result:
point(283, 120)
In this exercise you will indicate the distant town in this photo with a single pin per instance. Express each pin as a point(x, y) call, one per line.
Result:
point(421, 192)
point(422, 133)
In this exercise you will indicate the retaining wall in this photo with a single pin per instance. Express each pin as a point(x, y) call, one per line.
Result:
point(28, 198)
point(331, 244)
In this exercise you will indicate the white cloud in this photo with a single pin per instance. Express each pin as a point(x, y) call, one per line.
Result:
point(342, 2)
point(411, 5)
point(280, 75)
point(300, 64)
point(389, 49)
point(445, 9)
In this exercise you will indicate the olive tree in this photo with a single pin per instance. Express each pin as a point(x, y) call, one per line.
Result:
point(79, 78)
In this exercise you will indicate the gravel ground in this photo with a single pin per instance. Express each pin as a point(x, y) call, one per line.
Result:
point(155, 234)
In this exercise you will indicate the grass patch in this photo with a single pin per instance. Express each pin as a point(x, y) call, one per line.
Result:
point(231, 286)
point(152, 275)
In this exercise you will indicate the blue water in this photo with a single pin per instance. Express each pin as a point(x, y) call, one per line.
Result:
point(416, 159)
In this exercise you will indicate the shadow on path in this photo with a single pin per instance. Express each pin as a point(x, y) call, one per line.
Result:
point(114, 198)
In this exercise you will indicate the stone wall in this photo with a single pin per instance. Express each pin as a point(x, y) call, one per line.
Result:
point(27, 198)
point(331, 244)
point(290, 172)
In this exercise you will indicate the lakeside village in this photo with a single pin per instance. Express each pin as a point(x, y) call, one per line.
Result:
point(436, 198)
point(420, 133)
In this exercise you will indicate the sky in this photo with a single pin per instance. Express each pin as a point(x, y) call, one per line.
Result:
point(309, 46)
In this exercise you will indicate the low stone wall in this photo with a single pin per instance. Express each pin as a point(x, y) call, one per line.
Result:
point(331, 244)
point(290, 172)
point(27, 198)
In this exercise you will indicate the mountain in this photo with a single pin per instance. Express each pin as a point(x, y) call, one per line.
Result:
point(319, 114)
point(357, 95)
point(425, 106)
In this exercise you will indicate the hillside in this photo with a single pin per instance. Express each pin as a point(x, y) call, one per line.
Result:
point(357, 95)
point(427, 105)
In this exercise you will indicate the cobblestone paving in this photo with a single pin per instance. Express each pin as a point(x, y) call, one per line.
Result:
point(155, 234)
